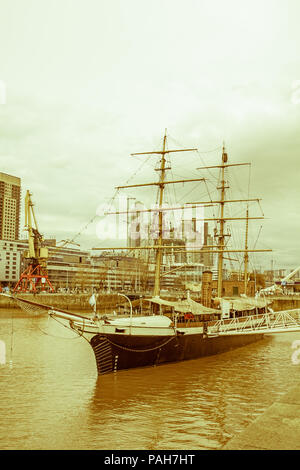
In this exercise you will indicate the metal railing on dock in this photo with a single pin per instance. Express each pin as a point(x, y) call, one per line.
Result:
point(277, 322)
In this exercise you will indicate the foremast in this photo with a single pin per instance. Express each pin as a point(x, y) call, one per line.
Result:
point(161, 183)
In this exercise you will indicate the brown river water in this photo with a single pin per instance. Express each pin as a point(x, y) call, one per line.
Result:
point(51, 397)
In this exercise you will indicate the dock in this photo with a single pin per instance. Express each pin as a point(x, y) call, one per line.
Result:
point(278, 428)
point(72, 302)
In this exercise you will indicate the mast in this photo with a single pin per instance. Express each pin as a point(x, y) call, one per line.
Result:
point(161, 183)
point(221, 248)
point(221, 237)
point(246, 256)
point(127, 221)
point(160, 221)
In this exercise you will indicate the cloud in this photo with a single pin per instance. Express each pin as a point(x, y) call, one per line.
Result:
point(88, 83)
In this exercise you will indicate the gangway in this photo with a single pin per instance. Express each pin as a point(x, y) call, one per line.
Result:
point(267, 323)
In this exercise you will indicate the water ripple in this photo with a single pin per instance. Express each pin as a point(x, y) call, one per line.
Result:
point(51, 398)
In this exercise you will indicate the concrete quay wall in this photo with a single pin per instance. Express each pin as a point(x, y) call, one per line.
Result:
point(278, 428)
point(287, 302)
point(73, 302)
point(80, 302)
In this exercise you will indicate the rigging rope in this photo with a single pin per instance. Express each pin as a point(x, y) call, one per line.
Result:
point(78, 335)
point(11, 340)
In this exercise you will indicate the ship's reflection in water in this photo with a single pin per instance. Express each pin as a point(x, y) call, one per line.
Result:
point(52, 398)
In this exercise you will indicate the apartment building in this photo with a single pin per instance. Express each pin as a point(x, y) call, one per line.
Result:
point(10, 196)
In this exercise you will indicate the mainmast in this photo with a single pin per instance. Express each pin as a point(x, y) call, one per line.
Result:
point(221, 237)
point(160, 221)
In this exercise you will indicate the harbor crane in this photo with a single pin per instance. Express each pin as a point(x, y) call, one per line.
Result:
point(67, 242)
point(35, 277)
point(283, 282)
point(289, 276)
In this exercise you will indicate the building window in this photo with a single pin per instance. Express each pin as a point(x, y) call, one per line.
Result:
point(235, 290)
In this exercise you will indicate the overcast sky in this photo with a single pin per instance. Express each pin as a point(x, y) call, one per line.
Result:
point(90, 81)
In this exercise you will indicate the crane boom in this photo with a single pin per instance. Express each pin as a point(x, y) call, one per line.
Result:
point(35, 276)
point(286, 278)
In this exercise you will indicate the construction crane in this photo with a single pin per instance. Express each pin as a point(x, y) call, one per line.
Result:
point(67, 242)
point(35, 277)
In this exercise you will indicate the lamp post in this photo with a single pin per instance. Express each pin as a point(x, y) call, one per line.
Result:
point(123, 295)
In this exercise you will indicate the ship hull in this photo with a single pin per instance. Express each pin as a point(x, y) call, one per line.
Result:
point(117, 352)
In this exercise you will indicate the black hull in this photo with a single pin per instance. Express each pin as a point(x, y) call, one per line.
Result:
point(117, 352)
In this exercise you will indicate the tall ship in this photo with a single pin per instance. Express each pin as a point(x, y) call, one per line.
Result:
point(181, 329)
